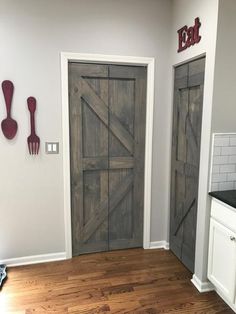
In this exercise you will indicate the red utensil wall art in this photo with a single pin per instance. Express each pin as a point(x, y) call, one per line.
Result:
point(33, 140)
point(8, 125)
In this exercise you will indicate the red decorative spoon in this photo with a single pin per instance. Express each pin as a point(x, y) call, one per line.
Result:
point(9, 125)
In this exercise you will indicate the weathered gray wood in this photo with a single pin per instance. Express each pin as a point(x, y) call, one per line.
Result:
point(95, 163)
point(121, 162)
point(99, 107)
point(121, 92)
point(89, 189)
point(127, 98)
point(186, 137)
point(196, 72)
point(104, 163)
point(88, 71)
point(76, 157)
point(107, 130)
point(100, 213)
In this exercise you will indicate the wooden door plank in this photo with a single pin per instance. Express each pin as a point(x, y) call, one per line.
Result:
point(101, 214)
point(196, 72)
point(178, 156)
point(186, 206)
point(121, 162)
point(87, 70)
point(89, 156)
point(75, 112)
point(181, 77)
point(121, 133)
point(98, 106)
point(186, 135)
point(128, 72)
point(102, 163)
point(95, 163)
point(127, 102)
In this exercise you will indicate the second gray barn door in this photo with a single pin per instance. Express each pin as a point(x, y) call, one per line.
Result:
point(186, 139)
point(107, 141)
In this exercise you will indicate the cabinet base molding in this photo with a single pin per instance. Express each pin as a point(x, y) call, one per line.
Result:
point(202, 286)
point(34, 259)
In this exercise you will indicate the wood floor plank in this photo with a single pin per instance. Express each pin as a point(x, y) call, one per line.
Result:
point(128, 281)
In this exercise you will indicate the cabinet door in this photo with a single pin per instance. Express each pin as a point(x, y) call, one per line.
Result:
point(222, 259)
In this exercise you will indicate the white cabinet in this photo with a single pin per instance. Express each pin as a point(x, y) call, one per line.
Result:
point(222, 251)
point(222, 259)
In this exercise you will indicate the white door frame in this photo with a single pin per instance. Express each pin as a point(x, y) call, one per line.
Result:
point(67, 57)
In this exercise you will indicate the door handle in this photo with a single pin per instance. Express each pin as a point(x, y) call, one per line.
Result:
point(232, 238)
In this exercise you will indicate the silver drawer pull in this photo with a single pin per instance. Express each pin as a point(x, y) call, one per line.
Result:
point(232, 238)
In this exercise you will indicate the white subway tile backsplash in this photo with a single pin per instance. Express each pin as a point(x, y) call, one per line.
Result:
point(232, 141)
point(227, 168)
point(215, 168)
point(219, 177)
point(232, 159)
point(223, 186)
point(231, 176)
point(217, 150)
point(221, 140)
point(220, 160)
point(228, 150)
point(223, 172)
point(215, 187)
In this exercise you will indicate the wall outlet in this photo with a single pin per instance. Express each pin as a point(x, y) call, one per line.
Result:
point(52, 147)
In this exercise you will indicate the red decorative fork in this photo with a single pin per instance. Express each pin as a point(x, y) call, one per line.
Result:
point(33, 140)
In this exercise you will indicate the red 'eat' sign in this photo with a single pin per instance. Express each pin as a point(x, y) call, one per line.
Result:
point(189, 36)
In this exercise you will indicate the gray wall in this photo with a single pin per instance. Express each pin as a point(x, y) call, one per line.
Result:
point(224, 102)
point(184, 13)
point(33, 33)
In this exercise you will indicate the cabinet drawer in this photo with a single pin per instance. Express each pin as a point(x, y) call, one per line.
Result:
point(224, 214)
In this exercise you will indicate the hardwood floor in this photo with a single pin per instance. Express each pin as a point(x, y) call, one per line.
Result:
point(128, 281)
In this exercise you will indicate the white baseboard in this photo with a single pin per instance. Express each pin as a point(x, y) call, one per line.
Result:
point(159, 245)
point(34, 259)
point(202, 286)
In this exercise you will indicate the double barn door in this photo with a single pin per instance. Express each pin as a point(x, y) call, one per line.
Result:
point(107, 141)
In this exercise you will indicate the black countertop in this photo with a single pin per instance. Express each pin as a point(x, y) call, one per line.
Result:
point(228, 197)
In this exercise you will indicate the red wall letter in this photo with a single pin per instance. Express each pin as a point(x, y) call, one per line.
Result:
point(197, 25)
point(182, 38)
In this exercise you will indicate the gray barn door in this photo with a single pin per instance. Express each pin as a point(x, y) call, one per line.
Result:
point(186, 138)
point(107, 140)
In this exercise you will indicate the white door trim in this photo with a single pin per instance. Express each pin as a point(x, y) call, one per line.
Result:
point(66, 57)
